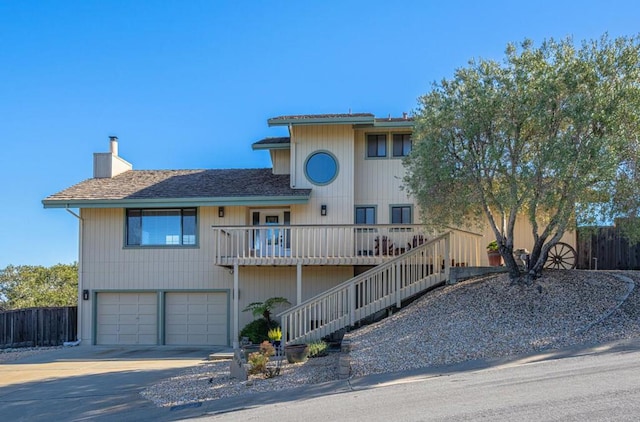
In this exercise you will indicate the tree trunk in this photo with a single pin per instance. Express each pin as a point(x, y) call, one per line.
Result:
point(510, 263)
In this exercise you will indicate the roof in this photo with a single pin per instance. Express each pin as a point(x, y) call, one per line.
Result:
point(180, 187)
point(356, 119)
point(283, 142)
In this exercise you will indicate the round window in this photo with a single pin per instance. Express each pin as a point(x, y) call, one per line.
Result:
point(321, 168)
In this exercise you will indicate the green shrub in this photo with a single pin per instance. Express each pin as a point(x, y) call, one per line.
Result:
point(257, 331)
point(318, 349)
point(257, 363)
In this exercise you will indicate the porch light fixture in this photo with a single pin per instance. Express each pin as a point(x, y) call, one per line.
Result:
point(323, 210)
point(220, 212)
point(85, 295)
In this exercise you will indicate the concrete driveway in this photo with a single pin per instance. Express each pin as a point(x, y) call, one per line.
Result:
point(91, 383)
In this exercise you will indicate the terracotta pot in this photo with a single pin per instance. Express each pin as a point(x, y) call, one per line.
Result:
point(495, 260)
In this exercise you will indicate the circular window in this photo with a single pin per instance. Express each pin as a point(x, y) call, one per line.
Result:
point(321, 168)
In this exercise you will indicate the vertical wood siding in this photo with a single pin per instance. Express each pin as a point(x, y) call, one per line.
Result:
point(378, 181)
point(337, 195)
point(280, 161)
point(260, 283)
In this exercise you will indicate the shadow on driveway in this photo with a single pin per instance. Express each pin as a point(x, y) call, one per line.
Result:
point(91, 383)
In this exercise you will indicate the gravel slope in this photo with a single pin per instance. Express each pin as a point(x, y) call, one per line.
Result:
point(480, 318)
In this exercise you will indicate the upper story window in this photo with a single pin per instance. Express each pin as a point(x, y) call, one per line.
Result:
point(401, 214)
point(376, 146)
point(401, 144)
point(366, 215)
point(321, 168)
point(161, 227)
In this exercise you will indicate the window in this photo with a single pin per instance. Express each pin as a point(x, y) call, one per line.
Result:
point(401, 214)
point(161, 227)
point(321, 168)
point(401, 144)
point(365, 215)
point(376, 146)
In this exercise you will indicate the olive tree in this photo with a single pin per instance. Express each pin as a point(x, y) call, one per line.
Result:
point(549, 132)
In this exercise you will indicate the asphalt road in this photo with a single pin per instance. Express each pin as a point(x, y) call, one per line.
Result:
point(590, 384)
point(581, 384)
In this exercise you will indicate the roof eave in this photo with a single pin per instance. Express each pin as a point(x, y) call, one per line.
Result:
point(176, 202)
point(321, 121)
point(256, 147)
point(389, 124)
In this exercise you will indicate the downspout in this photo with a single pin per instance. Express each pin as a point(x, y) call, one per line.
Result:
point(80, 300)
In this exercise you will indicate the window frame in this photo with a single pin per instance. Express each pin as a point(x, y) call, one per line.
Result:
point(374, 208)
point(402, 139)
point(313, 154)
point(393, 206)
point(386, 146)
point(181, 235)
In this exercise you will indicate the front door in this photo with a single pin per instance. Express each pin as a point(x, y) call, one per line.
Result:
point(270, 239)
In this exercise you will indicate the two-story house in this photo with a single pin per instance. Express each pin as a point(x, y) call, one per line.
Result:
point(171, 257)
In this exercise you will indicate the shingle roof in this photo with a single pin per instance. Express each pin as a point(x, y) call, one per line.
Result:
point(337, 119)
point(322, 116)
point(279, 140)
point(181, 184)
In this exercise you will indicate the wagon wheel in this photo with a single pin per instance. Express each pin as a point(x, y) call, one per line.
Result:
point(561, 257)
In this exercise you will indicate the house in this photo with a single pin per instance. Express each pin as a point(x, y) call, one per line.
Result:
point(171, 257)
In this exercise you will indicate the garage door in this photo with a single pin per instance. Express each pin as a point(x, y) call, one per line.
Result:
point(127, 318)
point(196, 318)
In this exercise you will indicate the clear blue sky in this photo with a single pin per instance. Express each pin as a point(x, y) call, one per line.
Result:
point(190, 84)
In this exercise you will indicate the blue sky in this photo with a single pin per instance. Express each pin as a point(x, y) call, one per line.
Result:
point(190, 84)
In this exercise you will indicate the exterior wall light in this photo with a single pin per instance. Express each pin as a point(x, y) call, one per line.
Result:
point(220, 212)
point(323, 210)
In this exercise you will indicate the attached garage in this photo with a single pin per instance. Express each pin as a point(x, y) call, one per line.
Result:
point(196, 318)
point(127, 318)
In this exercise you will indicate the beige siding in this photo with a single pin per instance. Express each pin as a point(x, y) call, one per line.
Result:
point(378, 181)
point(260, 283)
point(280, 160)
point(337, 195)
point(108, 266)
point(522, 237)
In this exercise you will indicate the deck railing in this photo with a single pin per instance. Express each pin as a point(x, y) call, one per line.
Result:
point(315, 244)
point(381, 287)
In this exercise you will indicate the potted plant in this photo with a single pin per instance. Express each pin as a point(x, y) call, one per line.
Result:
point(495, 260)
point(257, 330)
point(275, 336)
point(296, 353)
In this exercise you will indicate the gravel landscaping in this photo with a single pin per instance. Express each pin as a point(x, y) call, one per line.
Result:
point(479, 318)
point(9, 355)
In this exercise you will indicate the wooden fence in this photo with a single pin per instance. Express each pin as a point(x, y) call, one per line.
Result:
point(605, 248)
point(38, 327)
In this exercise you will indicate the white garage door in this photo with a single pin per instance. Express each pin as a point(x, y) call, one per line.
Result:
point(127, 318)
point(196, 318)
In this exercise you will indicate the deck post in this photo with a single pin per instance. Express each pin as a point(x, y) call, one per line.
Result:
point(298, 283)
point(236, 310)
point(352, 304)
point(447, 256)
point(398, 281)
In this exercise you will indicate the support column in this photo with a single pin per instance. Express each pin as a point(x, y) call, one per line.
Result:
point(298, 284)
point(236, 310)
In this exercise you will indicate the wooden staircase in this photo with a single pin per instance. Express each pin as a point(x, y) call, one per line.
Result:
point(381, 287)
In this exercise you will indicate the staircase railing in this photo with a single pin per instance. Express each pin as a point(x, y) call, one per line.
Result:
point(381, 287)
